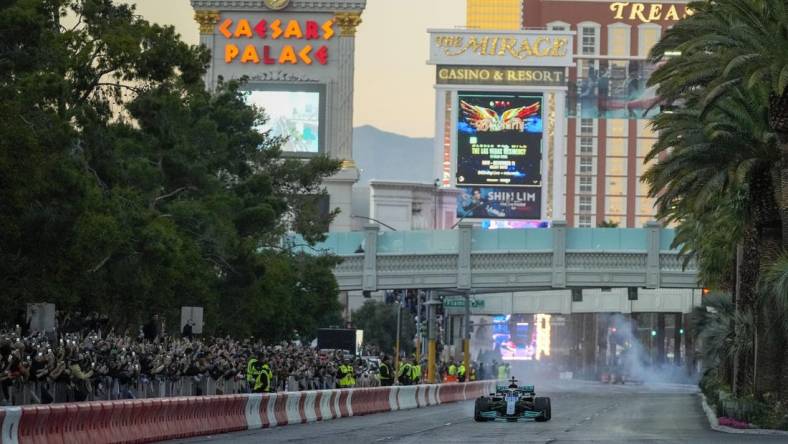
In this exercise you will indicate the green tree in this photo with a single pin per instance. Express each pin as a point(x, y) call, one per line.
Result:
point(607, 224)
point(726, 47)
point(717, 181)
point(127, 188)
point(379, 322)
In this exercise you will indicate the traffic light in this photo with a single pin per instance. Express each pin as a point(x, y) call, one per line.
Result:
point(681, 331)
point(632, 293)
point(577, 295)
point(653, 332)
point(706, 291)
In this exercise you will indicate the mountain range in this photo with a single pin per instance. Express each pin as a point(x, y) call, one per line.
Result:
point(381, 155)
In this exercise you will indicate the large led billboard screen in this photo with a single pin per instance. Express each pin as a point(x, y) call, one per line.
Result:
point(520, 337)
point(499, 139)
point(613, 89)
point(295, 116)
point(500, 203)
point(499, 155)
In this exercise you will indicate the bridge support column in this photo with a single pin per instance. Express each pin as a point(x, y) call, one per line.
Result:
point(576, 335)
point(589, 344)
point(653, 230)
point(661, 338)
point(689, 346)
point(603, 323)
point(677, 326)
point(559, 254)
point(464, 256)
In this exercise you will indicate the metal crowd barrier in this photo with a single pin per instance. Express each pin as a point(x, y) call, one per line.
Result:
point(108, 389)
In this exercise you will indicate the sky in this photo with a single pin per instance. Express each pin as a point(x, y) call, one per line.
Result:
point(394, 84)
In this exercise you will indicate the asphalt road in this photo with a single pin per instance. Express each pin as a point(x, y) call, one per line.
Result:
point(582, 412)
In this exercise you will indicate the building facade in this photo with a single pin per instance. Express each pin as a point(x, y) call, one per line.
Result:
point(608, 105)
point(495, 14)
point(608, 133)
point(299, 59)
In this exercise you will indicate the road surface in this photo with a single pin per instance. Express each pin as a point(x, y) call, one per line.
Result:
point(582, 412)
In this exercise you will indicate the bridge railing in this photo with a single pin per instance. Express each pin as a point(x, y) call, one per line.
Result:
point(557, 257)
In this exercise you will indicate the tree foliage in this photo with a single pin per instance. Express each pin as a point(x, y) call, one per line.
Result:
point(723, 150)
point(127, 188)
point(379, 322)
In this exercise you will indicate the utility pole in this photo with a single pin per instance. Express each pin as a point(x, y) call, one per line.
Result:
point(466, 342)
point(418, 327)
point(432, 333)
point(399, 328)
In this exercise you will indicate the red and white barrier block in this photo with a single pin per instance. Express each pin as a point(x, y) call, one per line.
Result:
point(140, 421)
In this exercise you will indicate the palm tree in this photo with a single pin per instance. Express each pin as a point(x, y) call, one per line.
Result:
point(711, 238)
point(727, 46)
point(607, 224)
point(716, 181)
point(715, 324)
point(775, 287)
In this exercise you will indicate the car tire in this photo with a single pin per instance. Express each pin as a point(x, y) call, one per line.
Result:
point(543, 405)
point(481, 405)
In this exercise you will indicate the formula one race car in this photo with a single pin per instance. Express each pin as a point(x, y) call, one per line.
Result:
point(512, 403)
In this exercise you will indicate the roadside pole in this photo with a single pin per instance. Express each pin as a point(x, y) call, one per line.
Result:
point(399, 327)
point(466, 342)
point(418, 327)
point(432, 334)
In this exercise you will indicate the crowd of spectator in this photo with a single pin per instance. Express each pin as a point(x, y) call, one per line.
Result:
point(83, 358)
point(89, 364)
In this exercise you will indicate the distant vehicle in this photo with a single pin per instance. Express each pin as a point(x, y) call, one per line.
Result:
point(512, 403)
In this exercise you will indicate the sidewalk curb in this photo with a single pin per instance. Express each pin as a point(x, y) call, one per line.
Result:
point(715, 424)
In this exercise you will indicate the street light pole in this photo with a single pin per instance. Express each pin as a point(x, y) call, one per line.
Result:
point(466, 343)
point(432, 335)
point(472, 208)
point(399, 327)
point(374, 220)
point(418, 327)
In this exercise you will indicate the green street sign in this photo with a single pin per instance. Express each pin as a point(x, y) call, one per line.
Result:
point(460, 303)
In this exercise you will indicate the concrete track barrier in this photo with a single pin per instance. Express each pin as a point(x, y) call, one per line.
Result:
point(148, 420)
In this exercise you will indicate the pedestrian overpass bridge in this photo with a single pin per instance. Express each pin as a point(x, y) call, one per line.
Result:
point(494, 261)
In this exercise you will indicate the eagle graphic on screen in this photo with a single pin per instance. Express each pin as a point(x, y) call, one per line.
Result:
point(486, 119)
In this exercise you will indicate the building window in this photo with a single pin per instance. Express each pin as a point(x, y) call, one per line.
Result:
point(616, 166)
point(616, 205)
point(586, 165)
point(647, 207)
point(588, 40)
point(648, 36)
point(587, 126)
point(585, 204)
point(558, 26)
point(586, 145)
point(617, 147)
point(616, 186)
point(618, 40)
point(584, 221)
point(586, 184)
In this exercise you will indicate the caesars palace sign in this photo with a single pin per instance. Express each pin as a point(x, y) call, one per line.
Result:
point(284, 42)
